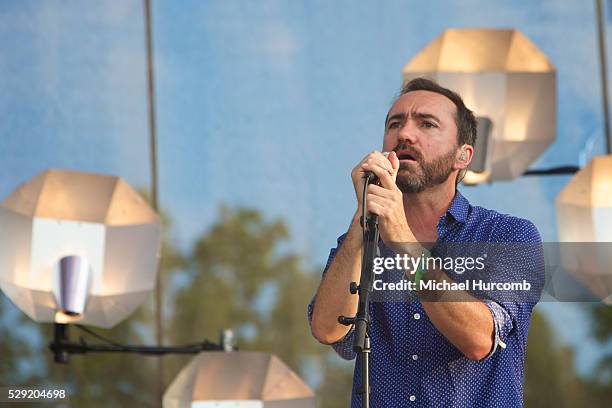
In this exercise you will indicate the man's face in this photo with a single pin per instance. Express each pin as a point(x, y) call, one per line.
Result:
point(421, 129)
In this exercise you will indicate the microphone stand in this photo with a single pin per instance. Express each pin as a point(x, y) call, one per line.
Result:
point(361, 343)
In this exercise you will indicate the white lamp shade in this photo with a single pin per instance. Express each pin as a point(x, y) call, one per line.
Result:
point(99, 218)
point(237, 379)
point(584, 215)
point(503, 76)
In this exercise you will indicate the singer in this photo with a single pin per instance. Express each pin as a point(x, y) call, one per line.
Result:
point(430, 350)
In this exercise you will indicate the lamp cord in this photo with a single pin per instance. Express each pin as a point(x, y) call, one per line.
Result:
point(185, 348)
point(98, 336)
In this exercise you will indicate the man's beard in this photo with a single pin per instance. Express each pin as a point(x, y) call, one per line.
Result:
point(428, 174)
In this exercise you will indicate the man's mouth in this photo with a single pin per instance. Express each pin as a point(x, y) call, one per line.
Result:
point(405, 156)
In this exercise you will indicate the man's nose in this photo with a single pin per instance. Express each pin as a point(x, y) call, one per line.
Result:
point(408, 132)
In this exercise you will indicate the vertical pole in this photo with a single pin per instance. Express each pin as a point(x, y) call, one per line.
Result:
point(60, 336)
point(604, 73)
point(365, 373)
point(154, 190)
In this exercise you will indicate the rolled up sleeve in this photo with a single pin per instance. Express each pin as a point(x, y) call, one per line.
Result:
point(502, 326)
point(511, 316)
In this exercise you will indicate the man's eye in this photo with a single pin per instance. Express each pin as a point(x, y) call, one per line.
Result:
point(428, 125)
point(394, 125)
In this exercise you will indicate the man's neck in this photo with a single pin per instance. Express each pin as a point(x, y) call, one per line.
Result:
point(423, 210)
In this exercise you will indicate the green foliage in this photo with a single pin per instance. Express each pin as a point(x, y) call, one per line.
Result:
point(551, 379)
point(601, 320)
point(550, 376)
point(601, 314)
point(16, 352)
point(335, 389)
point(240, 279)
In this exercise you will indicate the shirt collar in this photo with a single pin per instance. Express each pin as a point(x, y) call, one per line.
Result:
point(459, 207)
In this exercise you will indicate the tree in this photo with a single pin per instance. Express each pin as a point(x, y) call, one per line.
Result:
point(20, 363)
point(550, 376)
point(600, 383)
point(240, 278)
point(601, 315)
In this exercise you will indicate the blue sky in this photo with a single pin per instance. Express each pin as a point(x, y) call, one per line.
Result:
point(266, 104)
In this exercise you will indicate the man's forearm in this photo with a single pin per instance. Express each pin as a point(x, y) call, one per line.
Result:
point(463, 319)
point(333, 297)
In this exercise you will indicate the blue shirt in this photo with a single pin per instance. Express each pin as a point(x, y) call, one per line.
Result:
point(413, 365)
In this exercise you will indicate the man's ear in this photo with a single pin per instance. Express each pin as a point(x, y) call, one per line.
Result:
point(465, 156)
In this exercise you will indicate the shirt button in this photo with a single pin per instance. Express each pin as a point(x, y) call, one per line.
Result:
point(415, 357)
point(412, 398)
point(417, 316)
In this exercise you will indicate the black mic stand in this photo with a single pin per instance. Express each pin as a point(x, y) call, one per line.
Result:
point(361, 343)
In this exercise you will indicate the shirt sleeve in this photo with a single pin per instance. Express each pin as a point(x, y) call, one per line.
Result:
point(524, 258)
point(343, 347)
point(502, 325)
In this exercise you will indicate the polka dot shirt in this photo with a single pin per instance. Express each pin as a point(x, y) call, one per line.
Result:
point(413, 365)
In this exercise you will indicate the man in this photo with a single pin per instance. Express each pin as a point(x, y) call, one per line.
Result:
point(432, 350)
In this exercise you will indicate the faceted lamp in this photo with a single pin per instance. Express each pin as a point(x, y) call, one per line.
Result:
point(504, 77)
point(584, 219)
point(238, 380)
point(77, 247)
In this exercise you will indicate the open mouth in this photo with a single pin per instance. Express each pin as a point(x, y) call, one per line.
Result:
point(405, 156)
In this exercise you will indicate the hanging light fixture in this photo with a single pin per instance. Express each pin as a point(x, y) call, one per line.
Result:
point(504, 78)
point(584, 219)
point(238, 380)
point(77, 247)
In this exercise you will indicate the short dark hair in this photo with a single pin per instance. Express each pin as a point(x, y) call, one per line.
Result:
point(464, 118)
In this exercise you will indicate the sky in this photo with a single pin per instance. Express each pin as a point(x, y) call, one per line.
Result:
point(268, 104)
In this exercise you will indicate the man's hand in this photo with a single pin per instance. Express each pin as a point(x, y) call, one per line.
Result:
point(386, 200)
point(375, 159)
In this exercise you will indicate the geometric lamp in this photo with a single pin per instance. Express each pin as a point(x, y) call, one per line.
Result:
point(77, 247)
point(584, 219)
point(237, 379)
point(502, 76)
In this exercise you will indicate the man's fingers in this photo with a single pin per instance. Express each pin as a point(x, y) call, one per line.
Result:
point(394, 161)
point(375, 168)
point(387, 180)
point(394, 164)
point(375, 208)
point(377, 157)
point(378, 202)
point(379, 191)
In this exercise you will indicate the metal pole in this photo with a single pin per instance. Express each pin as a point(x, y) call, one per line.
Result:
point(62, 347)
point(604, 73)
point(154, 190)
point(365, 373)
